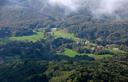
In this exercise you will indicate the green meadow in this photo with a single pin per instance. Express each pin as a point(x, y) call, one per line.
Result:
point(72, 53)
point(64, 35)
point(32, 38)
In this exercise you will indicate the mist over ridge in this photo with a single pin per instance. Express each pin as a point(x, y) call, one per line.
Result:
point(35, 8)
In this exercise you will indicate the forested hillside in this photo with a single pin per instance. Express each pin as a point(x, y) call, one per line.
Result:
point(63, 41)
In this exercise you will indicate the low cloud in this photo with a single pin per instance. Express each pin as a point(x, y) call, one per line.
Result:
point(73, 5)
point(97, 7)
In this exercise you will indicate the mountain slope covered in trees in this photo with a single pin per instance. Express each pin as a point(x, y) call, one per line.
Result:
point(40, 42)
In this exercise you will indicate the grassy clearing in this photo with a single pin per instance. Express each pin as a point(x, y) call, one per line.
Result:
point(33, 38)
point(72, 53)
point(64, 35)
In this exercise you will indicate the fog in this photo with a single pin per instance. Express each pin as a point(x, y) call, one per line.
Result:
point(97, 7)
point(73, 5)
